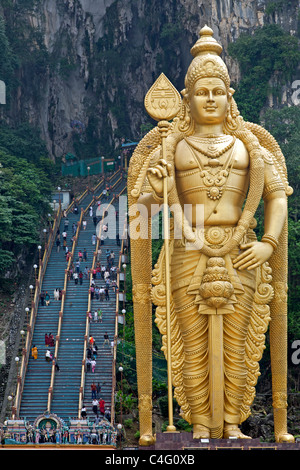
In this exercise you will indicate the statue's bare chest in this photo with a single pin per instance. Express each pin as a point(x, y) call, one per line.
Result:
point(192, 153)
point(208, 167)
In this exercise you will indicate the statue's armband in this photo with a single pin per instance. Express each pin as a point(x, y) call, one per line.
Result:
point(273, 185)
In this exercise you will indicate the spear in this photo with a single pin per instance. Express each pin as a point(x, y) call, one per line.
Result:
point(163, 103)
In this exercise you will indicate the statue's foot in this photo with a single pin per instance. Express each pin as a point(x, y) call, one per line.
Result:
point(287, 438)
point(232, 430)
point(147, 440)
point(200, 432)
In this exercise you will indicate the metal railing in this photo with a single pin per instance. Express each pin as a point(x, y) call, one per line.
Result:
point(87, 329)
point(35, 302)
point(83, 369)
point(34, 308)
point(103, 180)
point(121, 253)
point(61, 313)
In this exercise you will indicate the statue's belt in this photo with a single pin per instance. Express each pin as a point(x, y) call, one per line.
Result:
point(214, 283)
point(214, 236)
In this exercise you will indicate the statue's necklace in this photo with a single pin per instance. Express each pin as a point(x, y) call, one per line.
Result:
point(211, 145)
point(213, 178)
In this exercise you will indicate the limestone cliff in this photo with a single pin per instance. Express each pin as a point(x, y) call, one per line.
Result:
point(103, 55)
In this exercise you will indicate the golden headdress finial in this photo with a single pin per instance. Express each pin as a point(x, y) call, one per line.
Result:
point(207, 61)
point(206, 43)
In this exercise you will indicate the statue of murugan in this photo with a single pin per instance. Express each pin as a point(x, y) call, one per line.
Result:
point(226, 287)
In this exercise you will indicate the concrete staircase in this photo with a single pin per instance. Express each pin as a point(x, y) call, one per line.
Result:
point(70, 353)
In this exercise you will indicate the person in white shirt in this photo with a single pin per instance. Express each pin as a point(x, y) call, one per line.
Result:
point(95, 407)
point(48, 356)
point(56, 294)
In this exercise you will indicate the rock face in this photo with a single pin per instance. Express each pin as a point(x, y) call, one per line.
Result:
point(104, 55)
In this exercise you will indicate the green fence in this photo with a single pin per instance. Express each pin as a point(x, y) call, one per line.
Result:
point(80, 167)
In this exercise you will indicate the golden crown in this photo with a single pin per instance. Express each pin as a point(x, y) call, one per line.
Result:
point(207, 61)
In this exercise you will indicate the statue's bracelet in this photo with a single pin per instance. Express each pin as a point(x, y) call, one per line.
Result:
point(267, 238)
point(157, 198)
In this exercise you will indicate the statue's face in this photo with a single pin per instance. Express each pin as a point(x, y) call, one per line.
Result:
point(209, 101)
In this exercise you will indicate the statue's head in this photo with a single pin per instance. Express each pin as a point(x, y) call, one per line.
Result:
point(206, 72)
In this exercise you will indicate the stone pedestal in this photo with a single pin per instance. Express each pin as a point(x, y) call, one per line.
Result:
point(184, 441)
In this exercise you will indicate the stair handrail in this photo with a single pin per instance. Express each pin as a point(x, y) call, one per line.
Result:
point(103, 180)
point(87, 329)
point(75, 240)
point(86, 191)
point(77, 200)
point(114, 362)
point(83, 367)
point(86, 336)
point(61, 313)
point(115, 339)
point(96, 198)
point(35, 302)
point(34, 308)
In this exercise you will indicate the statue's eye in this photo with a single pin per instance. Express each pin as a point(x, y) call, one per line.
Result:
point(219, 92)
point(201, 93)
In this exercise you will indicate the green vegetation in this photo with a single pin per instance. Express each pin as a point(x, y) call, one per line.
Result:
point(284, 124)
point(169, 39)
point(269, 53)
point(25, 187)
point(8, 61)
point(22, 47)
point(276, 6)
point(26, 173)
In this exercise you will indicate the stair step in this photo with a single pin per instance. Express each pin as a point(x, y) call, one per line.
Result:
point(70, 351)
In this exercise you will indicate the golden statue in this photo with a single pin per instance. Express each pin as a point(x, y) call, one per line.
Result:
point(216, 287)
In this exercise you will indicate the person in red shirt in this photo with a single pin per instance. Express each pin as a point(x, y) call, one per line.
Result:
point(102, 406)
point(94, 390)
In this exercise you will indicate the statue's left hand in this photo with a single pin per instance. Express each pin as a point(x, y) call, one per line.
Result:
point(256, 254)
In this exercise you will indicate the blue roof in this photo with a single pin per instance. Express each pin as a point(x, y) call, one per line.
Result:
point(130, 144)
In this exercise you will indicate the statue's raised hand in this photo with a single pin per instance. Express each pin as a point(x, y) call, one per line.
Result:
point(157, 174)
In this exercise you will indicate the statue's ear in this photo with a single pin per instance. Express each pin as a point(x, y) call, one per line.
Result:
point(184, 93)
point(231, 91)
